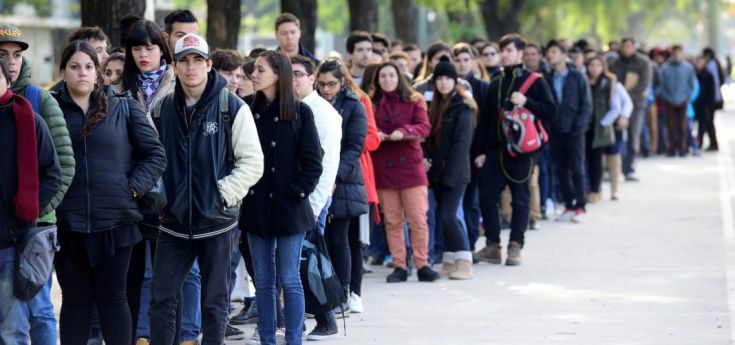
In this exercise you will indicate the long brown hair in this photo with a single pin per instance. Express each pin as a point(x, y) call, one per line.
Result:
point(606, 74)
point(405, 91)
point(280, 63)
point(368, 76)
point(438, 109)
point(98, 97)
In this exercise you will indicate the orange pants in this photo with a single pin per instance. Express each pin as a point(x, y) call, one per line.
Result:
point(398, 205)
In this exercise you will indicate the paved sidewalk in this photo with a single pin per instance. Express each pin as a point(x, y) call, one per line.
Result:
point(649, 269)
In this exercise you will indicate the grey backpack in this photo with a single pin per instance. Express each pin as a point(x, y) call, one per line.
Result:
point(34, 259)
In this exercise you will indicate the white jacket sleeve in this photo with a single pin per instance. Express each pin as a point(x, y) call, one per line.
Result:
point(620, 105)
point(330, 137)
point(248, 158)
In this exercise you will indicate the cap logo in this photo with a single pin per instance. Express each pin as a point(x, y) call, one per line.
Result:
point(191, 41)
point(10, 32)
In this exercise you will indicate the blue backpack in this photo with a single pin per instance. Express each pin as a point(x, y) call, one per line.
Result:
point(33, 95)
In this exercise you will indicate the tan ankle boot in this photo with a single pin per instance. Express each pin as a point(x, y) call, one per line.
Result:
point(514, 254)
point(614, 164)
point(142, 341)
point(491, 253)
point(463, 270)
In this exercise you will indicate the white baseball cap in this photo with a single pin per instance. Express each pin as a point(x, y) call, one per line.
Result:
point(191, 44)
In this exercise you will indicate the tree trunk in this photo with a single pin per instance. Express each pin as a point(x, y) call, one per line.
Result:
point(223, 23)
point(499, 19)
point(403, 13)
point(305, 10)
point(363, 15)
point(107, 15)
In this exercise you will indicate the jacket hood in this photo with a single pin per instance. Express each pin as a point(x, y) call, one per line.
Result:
point(215, 83)
point(24, 78)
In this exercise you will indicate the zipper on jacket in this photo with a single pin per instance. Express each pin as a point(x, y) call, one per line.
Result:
point(189, 126)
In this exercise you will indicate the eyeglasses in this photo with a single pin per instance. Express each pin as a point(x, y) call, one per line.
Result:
point(490, 54)
point(330, 84)
point(299, 74)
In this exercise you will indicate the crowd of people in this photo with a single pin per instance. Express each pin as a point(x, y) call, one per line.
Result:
point(396, 156)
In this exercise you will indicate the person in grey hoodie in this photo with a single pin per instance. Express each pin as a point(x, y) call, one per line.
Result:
point(675, 87)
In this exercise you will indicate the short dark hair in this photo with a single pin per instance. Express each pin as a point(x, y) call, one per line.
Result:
point(304, 61)
point(477, 40)
point(286, 17)
point(114, 57)
point(556, 44)
point(677, 47)
point(396, 42)
point(178, 16)
point(248, 67)
point(533, 46)
point(462, 47)
point(515, 39)
point(356, 37)
point(226, 60)
point(255, 53)
point(398, 55)
point(380, 38)
point(627, 39)
point(86, 33)
point(411, 47)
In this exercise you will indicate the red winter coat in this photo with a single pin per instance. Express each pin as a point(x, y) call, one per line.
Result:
point(399, 164)
point(372, 141)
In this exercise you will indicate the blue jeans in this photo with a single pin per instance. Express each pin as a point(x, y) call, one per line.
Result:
point(191, 318)
point(471, 207)
point(278, 259)
point(144, 329)
point(14, 313)
point(42, 318)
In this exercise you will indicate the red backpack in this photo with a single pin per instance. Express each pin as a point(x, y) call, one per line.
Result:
point(524, 133)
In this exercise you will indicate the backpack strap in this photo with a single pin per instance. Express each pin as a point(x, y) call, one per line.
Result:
point(33, 95)
point(529, 81)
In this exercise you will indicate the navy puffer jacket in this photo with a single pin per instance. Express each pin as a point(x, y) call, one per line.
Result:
point(100, 197)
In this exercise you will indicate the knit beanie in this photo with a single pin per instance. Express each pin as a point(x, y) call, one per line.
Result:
point(444, 68)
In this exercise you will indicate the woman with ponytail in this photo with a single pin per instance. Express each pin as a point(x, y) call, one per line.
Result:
point(98, 219)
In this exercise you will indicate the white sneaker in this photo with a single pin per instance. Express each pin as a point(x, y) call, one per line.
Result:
point(566, 216)
point(579, 216)
point(355, 303)
point(280, 336)
point(550, 209)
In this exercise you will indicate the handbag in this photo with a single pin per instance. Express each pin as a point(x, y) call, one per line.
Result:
point(34, 259)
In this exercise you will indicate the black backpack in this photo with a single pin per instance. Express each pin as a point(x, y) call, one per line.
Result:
point(322, 289)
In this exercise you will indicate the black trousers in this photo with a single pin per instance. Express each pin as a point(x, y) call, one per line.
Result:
point(355, 255)
point(82, 286)
point(336, 235)
point(492, 182)
point(471, 205)
point(447, 202)
point(568, 154)
point(706, 118)
point(173, 260)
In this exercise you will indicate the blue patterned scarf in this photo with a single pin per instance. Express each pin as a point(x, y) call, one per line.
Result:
point(149, 82)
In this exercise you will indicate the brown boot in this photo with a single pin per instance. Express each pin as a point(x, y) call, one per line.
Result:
point(142, 341)
point(614, 164)
point(514, 254)
point(463, 270)
point(594, 197)
point(492, 253)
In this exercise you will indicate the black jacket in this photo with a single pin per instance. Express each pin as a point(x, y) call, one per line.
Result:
point(539, 101)
point(450, 160)
point(49, 173)
point(575, 109)
point(350, 197)
point(100, 197)
point(199, 156)
point(706, 98)
point(278, 204)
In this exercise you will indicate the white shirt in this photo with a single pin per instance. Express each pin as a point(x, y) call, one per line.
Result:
point(329, 126)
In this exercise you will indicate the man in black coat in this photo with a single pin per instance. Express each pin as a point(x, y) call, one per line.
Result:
point(214, 158)
point(497, 168)
point(574, 103)
point(705, 104)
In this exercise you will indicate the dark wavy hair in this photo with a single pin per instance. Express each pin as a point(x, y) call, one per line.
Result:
point(280, 63)
point(142, 33)
point(339, 70)
point(98, 97)
point(405, 91)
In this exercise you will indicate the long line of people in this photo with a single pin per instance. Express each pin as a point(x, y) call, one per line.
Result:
point(394, 158)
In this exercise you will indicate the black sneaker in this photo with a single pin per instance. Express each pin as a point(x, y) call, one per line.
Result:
point(232, 333)
point(426, 274)
point(398, 275)
point(324, 332)
point(247, 316)
point(377, 260)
